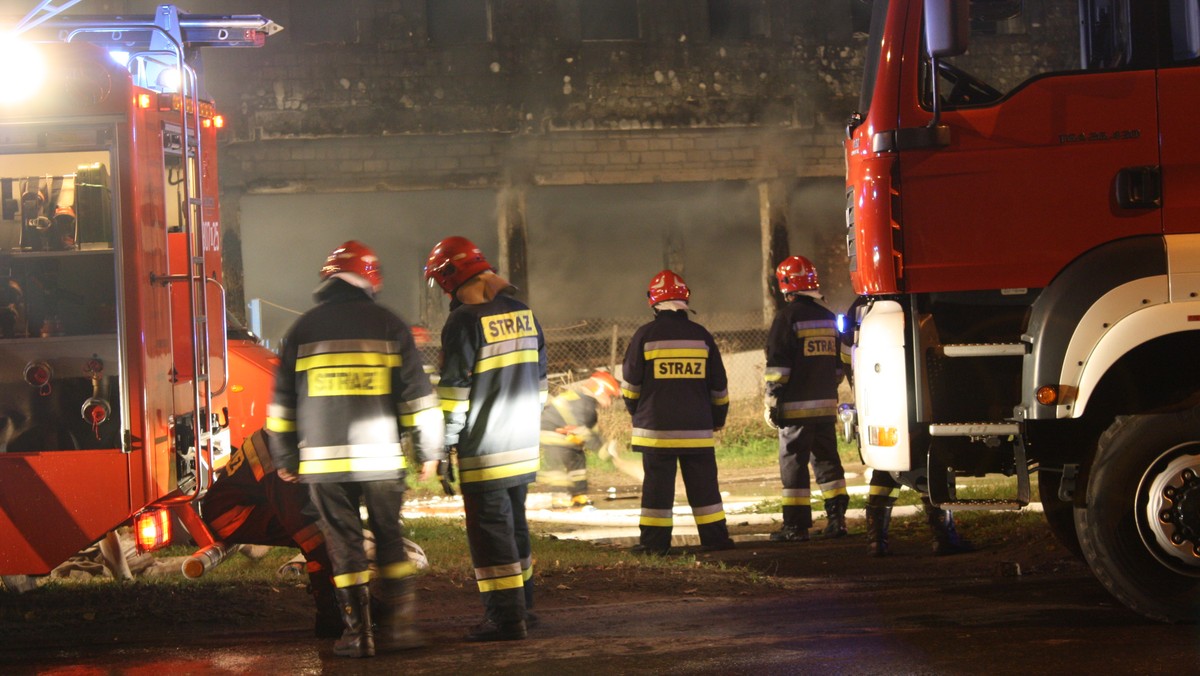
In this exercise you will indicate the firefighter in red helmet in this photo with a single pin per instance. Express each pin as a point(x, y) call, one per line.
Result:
point(676, 390)
point(492, 387)
point(569, 427)
point(350, 379)
point(804, 368)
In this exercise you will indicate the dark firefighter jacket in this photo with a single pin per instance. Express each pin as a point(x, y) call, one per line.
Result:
point(674, 386)
point(804, 363)
point(492, 387)
point(569, 421)
point(349, 379)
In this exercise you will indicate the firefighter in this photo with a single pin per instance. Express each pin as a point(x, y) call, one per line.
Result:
point(804, 368)
point(250, 504)
point(493, 387)
point(569, 426)
point(349, 380)
point(882, 496)
point(676, 390)
point(883, 486)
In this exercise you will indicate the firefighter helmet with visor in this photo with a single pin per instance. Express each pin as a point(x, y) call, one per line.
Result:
point(796, 274)
point(665, 286)
point(603, 384)
point(453, 261)
point(355, 263)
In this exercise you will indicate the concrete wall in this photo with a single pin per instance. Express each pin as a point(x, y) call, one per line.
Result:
point(352, 123)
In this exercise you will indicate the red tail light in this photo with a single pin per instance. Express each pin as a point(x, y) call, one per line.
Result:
point(152, 529)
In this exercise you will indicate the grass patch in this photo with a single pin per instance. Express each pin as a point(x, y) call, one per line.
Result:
point(745, 442)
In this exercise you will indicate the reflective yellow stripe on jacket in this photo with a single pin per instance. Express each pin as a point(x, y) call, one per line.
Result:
point(498, 465)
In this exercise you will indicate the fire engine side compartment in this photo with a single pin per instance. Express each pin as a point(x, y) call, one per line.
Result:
point(69, 497)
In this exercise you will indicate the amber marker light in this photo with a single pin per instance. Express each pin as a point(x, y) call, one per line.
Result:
point(218, 121)
point(145, 101)
point(1047, 395)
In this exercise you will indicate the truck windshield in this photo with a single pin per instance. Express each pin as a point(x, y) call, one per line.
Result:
point(1013, 41)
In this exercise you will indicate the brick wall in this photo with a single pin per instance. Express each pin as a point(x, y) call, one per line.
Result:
point(360, 100)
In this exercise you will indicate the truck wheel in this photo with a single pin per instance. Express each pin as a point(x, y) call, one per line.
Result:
point(1140, 528)
point(1060, 514)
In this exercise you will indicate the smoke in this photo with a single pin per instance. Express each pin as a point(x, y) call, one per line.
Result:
point(591, 249)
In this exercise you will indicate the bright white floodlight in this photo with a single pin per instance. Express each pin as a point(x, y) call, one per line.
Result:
point(22, 70)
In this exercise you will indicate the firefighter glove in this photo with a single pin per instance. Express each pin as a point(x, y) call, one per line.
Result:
point(446, 471)
point(772, 417)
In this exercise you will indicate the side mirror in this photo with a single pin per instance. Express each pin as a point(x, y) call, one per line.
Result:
point(947, 27)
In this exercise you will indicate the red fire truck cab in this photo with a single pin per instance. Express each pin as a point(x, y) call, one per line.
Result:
point(115, 384)
point(1022, 196)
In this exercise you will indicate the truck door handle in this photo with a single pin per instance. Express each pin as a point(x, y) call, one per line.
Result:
point(1139, 187)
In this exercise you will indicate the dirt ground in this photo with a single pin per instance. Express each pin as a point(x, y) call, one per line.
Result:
point(757, 569)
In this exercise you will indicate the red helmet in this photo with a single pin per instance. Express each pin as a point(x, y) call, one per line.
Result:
point(797, 273)
point(667, 285)
point(603, 383)
point(356, 263)
point(453, 261)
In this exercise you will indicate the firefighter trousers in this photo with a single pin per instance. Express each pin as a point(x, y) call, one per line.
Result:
point(699, 470)
point(883, 489)
point(564, 469)
point(341, 522)
point(798, 446)
point(498, 536)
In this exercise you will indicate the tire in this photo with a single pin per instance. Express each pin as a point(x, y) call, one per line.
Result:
point(1060, 514)
point(1139, 459)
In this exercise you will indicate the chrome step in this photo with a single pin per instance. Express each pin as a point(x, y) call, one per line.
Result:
point(976, 429)
point(943, 490)
point(984, 350)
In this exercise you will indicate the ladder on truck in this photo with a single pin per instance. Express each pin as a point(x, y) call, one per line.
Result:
point(941, 475)
point(157, 44)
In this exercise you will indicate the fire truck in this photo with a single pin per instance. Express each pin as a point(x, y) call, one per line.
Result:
point(1023, 191)
point(120, 391)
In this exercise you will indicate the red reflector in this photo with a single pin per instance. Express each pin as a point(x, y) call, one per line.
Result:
point(152, 529)
point(1194, 318)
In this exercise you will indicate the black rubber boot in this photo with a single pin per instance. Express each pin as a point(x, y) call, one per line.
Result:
point(835, 515)
point(329, 617)
point(790, 534)
point(491, 630)
point(796, 522)
point(946, 540)
point(879, 519)
point(397, 629)
point(358, 639)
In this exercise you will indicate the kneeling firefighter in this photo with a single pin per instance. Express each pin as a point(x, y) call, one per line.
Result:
point(569, 427)
point(250, 504)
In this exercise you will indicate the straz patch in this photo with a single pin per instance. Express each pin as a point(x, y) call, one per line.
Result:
point(820, 346)
point(509, 326)
point(344, 381)
point(679, 368)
